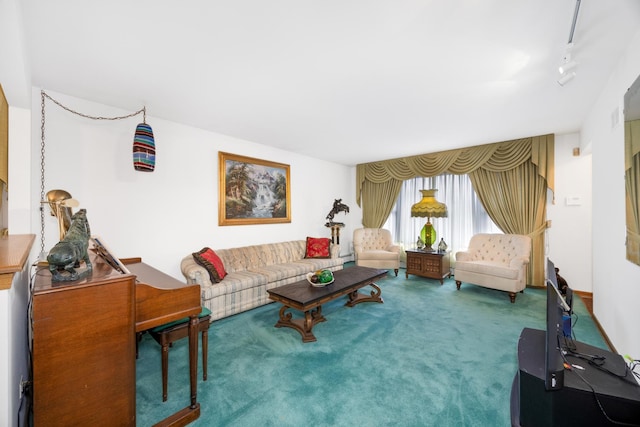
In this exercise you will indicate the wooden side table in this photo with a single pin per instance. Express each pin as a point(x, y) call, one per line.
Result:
point(432, 265)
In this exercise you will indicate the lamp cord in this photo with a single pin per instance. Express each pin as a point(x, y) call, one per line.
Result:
point(142, 110)
point(42, 157)
point(44, 95)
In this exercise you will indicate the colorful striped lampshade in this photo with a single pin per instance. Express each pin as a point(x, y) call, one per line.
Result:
point(144, 149)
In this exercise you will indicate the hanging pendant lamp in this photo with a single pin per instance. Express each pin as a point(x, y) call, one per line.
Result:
point(144, 147)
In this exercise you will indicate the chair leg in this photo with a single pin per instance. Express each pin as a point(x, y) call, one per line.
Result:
point(165, 369)
point(395, 270)
point(512, 297)
point(458, 283)
point(168, 336)
point(205, 351)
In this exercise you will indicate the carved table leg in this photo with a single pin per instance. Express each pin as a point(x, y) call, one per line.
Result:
point(303, 326)
point(356, 297)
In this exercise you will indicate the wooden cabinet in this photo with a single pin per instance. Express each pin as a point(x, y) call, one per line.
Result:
point(84, 349)
point(433, 265)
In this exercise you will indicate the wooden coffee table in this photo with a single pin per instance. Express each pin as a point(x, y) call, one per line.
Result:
point(309, 299)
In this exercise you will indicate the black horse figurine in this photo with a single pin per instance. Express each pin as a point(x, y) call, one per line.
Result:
point(338, 207)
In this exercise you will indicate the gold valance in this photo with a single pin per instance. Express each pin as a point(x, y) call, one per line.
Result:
point(497, 157)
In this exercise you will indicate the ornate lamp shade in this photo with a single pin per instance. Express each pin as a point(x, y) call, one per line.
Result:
point(144, 149)
point(429, 207)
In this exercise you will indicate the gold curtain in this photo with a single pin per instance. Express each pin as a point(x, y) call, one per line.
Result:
point(632, 186)
point(516, 201)
point(385, 194)
point(496, 158)
point(631, 141)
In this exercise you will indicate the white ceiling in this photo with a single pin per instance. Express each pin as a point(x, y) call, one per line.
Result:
point(349, 81)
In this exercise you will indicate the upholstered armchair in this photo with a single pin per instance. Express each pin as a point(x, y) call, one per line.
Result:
point(495, 261)
point(374, 248)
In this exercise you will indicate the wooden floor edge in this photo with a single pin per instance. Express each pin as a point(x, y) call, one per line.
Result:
point(604, 334)
point(587, 299)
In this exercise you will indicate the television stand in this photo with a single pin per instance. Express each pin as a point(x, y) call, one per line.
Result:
point(574, 404)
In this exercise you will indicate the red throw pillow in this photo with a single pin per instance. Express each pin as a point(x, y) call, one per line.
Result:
point(212, 262)
point(318, 247)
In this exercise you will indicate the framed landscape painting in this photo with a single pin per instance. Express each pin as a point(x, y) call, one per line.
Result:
point(252, 191)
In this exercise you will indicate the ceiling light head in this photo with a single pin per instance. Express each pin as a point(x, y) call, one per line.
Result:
point(564, 68)
point(566, 78)
point(567, 63)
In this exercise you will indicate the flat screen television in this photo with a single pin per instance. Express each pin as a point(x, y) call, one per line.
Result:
point(557, 310)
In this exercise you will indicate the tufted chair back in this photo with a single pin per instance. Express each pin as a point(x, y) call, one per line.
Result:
point(366, 239)
point(498, 248)
point(374, 248)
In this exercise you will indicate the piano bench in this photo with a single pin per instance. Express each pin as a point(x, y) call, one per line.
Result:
point(167, 334)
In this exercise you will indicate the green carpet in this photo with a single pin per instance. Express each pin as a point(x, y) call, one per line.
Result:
point(429, 356)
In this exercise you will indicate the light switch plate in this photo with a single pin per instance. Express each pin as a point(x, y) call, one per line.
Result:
point(573, 201)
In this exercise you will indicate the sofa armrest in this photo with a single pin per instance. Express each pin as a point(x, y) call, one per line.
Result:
point(464, 256)
point(194, 272)
point(393, 248)
point(518, 262)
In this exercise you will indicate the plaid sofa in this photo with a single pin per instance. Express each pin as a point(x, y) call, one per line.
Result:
point(251, 270)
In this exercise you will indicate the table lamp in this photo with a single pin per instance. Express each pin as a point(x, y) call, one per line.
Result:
point(429, 207)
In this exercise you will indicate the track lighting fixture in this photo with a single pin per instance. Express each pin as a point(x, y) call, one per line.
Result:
point(567, 64)
point(566, 78)
point(564, 68)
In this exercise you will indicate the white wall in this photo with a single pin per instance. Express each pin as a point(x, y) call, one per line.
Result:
point(6, 401)
point(616, 281)
point(14, 301)
point(15, 80)
point(569, 238)
point(18, 296)
point(167, 214)
point(20, 207)
point(15, 75)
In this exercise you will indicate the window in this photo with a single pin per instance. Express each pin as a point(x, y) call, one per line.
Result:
point(466, 214)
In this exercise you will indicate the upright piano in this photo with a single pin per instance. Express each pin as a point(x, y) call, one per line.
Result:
point(84, 338)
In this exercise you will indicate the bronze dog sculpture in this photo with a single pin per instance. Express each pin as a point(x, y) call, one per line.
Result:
point(66, 255)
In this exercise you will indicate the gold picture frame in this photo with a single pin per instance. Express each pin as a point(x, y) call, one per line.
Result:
point(253, 191)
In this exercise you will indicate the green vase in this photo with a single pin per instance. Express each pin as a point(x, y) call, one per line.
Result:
point(428, 235)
